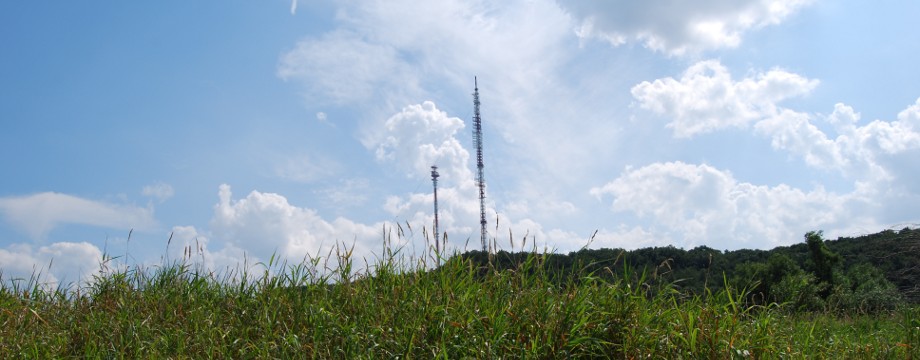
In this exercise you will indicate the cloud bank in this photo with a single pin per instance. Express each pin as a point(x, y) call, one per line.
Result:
point(57, 264)
point(677, 27)
point(705, 205)
point(706, 98)
point(38, 214)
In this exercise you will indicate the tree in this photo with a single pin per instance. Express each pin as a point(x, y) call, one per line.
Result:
point(864, 289)
point(824, 260)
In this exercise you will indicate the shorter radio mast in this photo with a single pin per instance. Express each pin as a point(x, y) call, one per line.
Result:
point(434, 182)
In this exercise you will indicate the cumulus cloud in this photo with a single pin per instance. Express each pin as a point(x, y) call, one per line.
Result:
point(677, 27)
point(458, 214)
point(903, 164)
point(707, 205)
point(191, 246)
point(459, 218)
point(706, 98)
point(60, 263)
point(263, 224)
point(877, 152)
point(414, 139)
point(910, 117)
point(38, 214)
point(879, 157)
point(420, 136)
point(792, 131)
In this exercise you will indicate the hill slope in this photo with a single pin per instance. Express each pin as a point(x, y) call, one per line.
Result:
point(880, 260)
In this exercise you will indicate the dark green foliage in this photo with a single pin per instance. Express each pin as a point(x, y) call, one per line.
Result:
point(824, 260)
point(865, 290)
point(895, 253)
point(869, 273)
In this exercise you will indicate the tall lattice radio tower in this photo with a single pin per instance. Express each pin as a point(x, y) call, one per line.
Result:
point(480, 178)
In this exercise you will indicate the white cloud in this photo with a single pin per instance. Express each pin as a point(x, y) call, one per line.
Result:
point(514, 47)
point(879, 157)
point(705, 98)
point(458, 214)
point(393, 50)
point(701, 204)
point(523, 51)
point(910, 117)
point(188, 245)
point(629, 238)
point(459, 218)
point(60, 263)
point(38, 214)
point(894, 137)
point(793, 132)
point(421, 136)
point(160, 191)
point(518, 49)
point(342, 67)
point(416, 138)
point(293, 7)
point(677, 27)
point(263, 224)
point(875, 152)
point(542, 205)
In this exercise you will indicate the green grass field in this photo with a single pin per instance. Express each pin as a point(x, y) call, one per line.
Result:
point(405, 308)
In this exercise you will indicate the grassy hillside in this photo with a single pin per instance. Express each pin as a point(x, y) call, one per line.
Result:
point(525, 308)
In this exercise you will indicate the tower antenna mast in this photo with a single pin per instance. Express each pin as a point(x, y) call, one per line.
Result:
point(480, 178)
point(434, 182)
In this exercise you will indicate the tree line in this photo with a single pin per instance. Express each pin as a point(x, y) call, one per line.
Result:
point(869, 273)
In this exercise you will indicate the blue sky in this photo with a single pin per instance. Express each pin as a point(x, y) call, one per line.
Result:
point(251, 128)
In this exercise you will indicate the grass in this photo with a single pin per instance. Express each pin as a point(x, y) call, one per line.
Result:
point(402, 308)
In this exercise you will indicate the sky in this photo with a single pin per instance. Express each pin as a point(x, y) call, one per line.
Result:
point(247, 129)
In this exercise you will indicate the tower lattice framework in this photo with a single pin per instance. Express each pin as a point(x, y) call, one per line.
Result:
point(480, 178)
